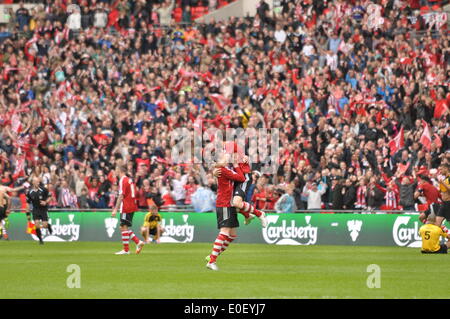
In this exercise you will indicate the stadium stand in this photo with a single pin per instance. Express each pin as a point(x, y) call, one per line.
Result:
point(358, 89)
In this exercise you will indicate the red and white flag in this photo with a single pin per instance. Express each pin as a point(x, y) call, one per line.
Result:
point(397, 142)
point(425, 139)
point(220, 101)
point(20, 167)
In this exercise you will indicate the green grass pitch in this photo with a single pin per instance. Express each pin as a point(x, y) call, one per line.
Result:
point(168, 271)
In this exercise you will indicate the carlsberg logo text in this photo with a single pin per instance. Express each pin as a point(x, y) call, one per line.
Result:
point(185, 232)
point(404, 235)
point(68, 230)
point(288, 233)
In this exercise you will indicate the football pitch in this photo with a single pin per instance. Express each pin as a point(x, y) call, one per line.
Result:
point(172, 271)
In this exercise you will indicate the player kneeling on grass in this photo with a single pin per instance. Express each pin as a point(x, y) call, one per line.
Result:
point(431, 235)
point(152, 225)
point(127, 203)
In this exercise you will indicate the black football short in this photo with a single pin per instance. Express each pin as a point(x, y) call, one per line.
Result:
point(432, 209)
point(126, 219)
point(153, 231)
point(444, 210)
point(40, 214)
point(241, 189)
point(227, 217)
point(442, 250)
point(2, 212)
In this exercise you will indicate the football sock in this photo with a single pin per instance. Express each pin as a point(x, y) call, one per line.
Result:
point(125, 240)
point(227, 242)
point(217, 247)
point(133, 237)
point(246, 214)
point(3, 227)
point(248, 208)
point(38, 233)
point(49, 227)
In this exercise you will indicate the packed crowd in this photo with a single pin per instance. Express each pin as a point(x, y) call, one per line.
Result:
point(358, 89)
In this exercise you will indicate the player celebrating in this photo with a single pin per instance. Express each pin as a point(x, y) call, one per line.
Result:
point(227, 220)
point(5, 204)
point(241, 188)
point(127, 203)
point(444, 188)
point(427, 190)
point(39, 197)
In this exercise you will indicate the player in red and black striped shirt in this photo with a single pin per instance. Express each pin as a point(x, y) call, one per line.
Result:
point(127, 203)
point(227, 220)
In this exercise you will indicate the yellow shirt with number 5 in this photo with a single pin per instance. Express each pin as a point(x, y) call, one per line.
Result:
point(431, 234)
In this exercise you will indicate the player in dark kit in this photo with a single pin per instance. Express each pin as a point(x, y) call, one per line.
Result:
point(444, 188)
point(227, 220)
point(39, 197)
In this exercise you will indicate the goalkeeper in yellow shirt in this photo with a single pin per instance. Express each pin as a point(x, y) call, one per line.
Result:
point(152, 223)
point(431, 235)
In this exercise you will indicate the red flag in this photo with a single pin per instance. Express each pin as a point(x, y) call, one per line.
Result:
point(397, 142)
point(440, 109)
point(220, 101)
point(425, 139)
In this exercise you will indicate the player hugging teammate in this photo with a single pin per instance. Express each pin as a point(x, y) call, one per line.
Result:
point(439, 209)
point(234, 181)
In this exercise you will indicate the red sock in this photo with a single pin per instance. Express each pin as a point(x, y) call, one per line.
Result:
point(133, 237)
point(250, 209)
point(125, 240)
point(246, 214)
point(227, 242)
point(217, 248)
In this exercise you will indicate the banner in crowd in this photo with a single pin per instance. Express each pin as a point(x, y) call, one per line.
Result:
point(283, 229)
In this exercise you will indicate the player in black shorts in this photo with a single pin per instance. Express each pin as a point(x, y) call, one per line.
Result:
point(3, 215)
point(5, 205)
point(444, 188)
point(39, 197)
point(432, 209)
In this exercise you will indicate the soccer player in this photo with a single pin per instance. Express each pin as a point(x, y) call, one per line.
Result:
point(127, 204)
point(241, 188)
point(227, 220)
point(444, 188)
point(431, 235)
point(39, 197)
point(5, 204)
point(152, 224)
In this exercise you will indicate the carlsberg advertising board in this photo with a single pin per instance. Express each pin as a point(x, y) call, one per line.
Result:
point(282, 229)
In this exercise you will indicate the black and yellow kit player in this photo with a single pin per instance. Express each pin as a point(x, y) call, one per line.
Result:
point(431, 235)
